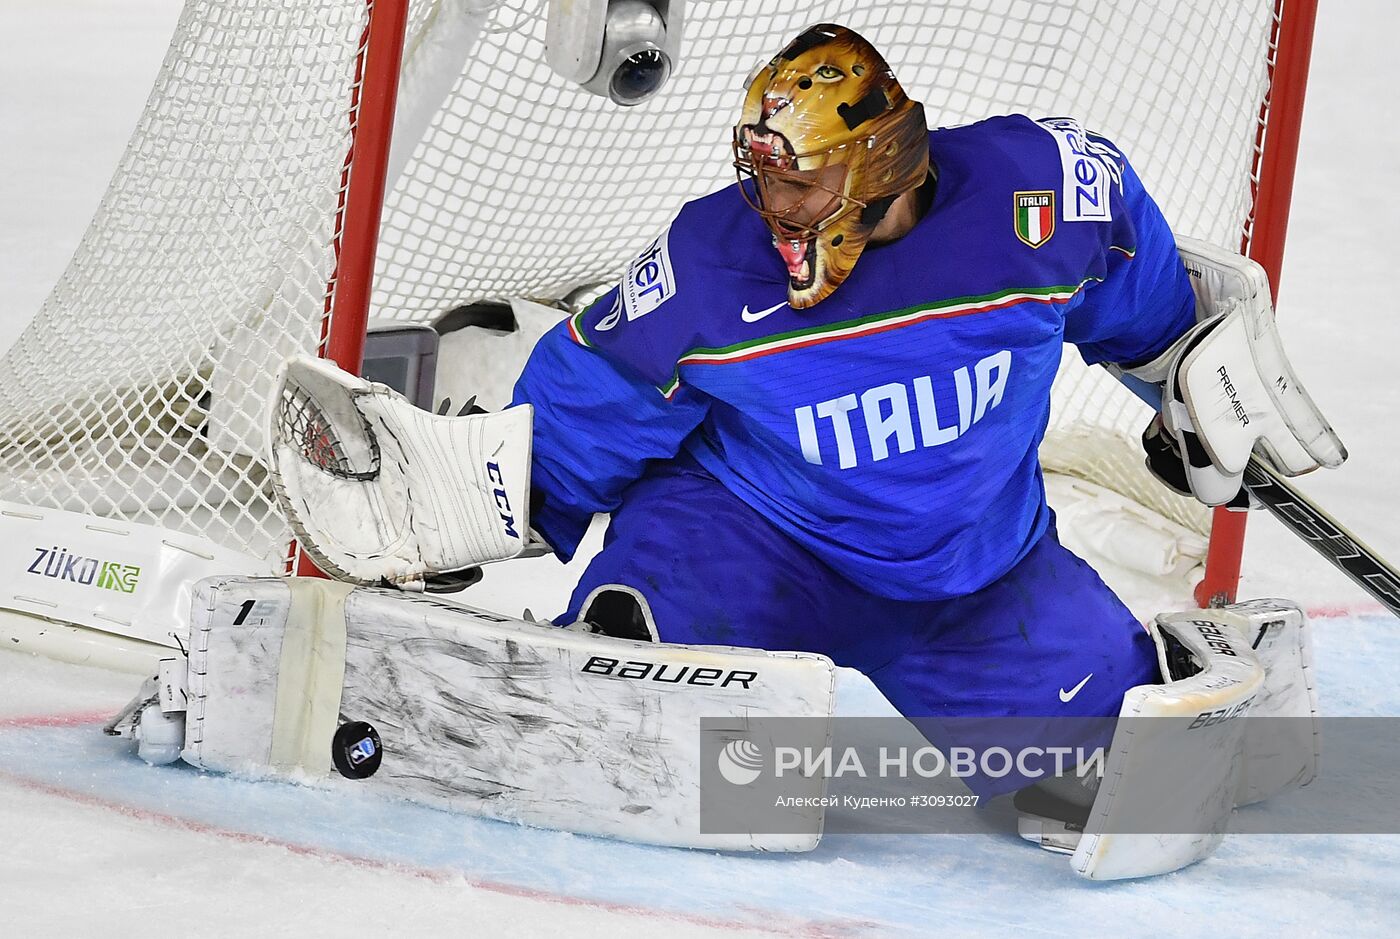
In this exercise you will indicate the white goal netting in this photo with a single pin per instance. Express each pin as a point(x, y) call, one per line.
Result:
point(138, 389)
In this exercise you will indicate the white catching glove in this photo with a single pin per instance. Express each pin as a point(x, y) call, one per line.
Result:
point(379, 490)
point(1228, 390)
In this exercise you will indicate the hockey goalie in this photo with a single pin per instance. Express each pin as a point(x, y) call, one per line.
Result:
point(812, 408)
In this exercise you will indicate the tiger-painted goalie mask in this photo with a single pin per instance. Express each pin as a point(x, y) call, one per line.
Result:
point(826, 142)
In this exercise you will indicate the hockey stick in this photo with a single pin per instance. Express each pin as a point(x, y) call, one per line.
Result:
point(1328, 537)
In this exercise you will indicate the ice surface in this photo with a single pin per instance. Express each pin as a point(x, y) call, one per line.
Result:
point(97, 843)
point(78, 805)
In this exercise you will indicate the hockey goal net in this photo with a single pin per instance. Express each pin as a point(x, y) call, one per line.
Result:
point(232, 232)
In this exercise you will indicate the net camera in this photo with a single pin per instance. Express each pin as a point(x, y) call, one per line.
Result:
point(623, 50)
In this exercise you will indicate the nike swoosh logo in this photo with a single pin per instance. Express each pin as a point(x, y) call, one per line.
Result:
point(1067, 696)
point(748, 317)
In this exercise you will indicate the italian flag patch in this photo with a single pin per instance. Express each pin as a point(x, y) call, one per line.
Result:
point(1035, 216)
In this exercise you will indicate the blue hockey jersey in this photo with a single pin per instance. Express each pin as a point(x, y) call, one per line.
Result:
point(892, 429)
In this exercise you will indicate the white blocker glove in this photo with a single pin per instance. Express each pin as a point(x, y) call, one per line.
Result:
point(378, 490)
point(1228, 390)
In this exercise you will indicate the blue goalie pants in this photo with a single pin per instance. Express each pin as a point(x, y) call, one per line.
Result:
point(993, 667)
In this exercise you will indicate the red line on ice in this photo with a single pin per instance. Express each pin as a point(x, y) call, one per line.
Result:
point(1343, 611)
point(57, 720)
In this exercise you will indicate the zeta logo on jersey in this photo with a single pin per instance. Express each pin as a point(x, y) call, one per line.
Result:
point(1089, 168)
point(1035, 216)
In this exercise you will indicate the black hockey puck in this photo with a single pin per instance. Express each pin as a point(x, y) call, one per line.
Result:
point(356, 750)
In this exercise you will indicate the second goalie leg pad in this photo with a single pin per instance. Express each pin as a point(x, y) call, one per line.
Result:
point(1278, 749)
point(480, 713)
point(1174, 766)
point(1283, 738)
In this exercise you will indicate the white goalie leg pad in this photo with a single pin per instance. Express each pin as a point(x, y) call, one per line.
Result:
point(480, 713)
point(1176, 756)
point(379, 490)
point(1283, 737)
point(265, 673)
point(1229, 383)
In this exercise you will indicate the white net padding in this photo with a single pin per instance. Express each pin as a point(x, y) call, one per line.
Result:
point(139, 387)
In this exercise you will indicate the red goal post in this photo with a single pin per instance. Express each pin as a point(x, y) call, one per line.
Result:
point(1276, 159)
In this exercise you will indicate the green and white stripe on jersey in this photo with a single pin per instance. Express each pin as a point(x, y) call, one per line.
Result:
point(870, 325)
